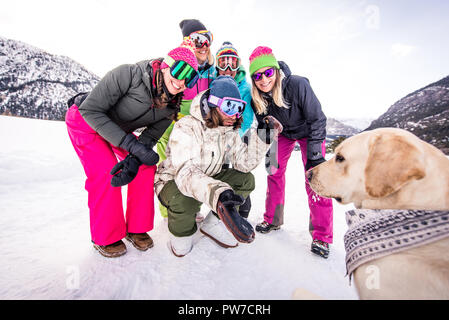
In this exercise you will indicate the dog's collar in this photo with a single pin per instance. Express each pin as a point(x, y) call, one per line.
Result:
point(376, 233)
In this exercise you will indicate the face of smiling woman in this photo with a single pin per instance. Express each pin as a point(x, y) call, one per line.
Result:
point(173, 85)
point(265, 84)
point(202, 54)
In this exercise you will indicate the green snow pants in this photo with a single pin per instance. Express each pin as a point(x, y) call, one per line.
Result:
point(160, 147)
point(182, 210)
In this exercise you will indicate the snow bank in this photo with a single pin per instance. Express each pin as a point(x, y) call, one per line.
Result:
point(47, 254)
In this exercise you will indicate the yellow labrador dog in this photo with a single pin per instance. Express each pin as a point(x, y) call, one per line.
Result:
point(391, 168)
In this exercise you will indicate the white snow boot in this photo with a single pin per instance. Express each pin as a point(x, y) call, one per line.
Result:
point(180, 246)
point(215, 229)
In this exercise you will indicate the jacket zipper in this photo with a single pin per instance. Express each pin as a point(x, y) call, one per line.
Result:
point(219, 155)
point(210, 162)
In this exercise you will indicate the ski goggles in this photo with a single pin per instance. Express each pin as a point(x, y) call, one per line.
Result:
point(229, 106)
point(268, 73)
point(181, 70)
point(231, 62)
point(201, 38)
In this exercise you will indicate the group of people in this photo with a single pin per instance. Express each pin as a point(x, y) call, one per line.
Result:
point(211, 128)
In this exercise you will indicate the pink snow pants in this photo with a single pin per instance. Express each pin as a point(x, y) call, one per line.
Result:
point(321, 210)
point(107, 219)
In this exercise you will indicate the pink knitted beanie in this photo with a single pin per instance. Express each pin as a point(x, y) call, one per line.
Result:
point(184, 52)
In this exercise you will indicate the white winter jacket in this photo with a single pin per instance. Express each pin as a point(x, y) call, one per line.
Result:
point(195, 153)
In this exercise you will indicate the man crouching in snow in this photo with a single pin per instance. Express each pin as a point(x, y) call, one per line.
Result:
point(192, 174)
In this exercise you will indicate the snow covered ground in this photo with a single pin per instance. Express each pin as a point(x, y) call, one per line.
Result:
point(46, 252)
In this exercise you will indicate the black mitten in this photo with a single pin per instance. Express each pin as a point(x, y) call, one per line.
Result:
point(144, 153)
point(240, 228)
point(125, 171)
point(229, 198)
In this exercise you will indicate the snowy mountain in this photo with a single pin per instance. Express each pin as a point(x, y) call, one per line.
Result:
point(36, 84)
point(335, 127)
point(358, 123)
point(424, 112)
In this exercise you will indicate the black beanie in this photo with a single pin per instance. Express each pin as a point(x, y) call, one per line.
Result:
point(191, 25)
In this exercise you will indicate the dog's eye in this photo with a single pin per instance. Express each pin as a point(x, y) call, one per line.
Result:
point(339, 158)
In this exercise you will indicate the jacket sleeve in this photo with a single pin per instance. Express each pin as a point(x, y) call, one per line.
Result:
point(315, 119)
point(246, 157)
point(153, 133)
point(248, 114)
point(114, 85)
point(185, 151)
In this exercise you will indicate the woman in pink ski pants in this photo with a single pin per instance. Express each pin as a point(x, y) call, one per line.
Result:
point(101, 125)
point(291, 100)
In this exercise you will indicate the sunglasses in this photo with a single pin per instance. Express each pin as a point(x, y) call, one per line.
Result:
point(231, 62)
point(181, 70)
point(268, 73)
point(201, 38)
point(229, 106)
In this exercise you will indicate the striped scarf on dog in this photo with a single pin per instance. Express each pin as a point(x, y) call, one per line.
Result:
point(376, 233)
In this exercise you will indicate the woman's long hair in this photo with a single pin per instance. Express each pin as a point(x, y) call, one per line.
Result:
point(260, 103)
point(163, 97)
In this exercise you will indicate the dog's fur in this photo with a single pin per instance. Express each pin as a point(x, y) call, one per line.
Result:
point(391, 168)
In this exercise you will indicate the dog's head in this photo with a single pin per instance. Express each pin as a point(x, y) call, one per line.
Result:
point(370, 165)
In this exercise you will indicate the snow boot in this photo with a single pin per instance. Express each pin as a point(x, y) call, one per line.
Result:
point(265, 227)
point(113, 250)
point(141, 241)
point(320, 248)
point(180, 246)
point(241, 229)
point(214, 228)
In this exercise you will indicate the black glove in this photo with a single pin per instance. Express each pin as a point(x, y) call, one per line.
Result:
point(144, 153)
point(125, 171)
point(313, 163)
point(229, 198)
point(265, 130)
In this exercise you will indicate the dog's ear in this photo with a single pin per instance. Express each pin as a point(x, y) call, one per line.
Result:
point(392, 162)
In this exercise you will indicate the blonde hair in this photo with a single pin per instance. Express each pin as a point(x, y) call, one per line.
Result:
point(260, 103)
point(210, 58)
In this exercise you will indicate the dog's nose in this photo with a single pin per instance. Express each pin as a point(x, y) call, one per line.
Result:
point(309, 175)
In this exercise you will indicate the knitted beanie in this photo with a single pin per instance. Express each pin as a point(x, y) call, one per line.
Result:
point(189, 26)
point(184, 52)
point(260, 58)
point(227, 50)
point(224, 86)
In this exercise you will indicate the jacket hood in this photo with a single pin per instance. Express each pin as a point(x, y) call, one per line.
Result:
point(147, 72)
point(196, 110)
point(285, 69)
point(241, 74)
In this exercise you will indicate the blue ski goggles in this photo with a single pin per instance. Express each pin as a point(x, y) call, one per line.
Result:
point(229, 106)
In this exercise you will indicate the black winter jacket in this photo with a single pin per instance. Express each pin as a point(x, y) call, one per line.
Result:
point(303, 118)
point(123, 101)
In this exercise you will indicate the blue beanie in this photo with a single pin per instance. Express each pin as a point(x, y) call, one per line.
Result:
point(225, 86)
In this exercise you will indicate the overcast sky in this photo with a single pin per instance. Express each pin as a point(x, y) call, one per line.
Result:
point(360, 56)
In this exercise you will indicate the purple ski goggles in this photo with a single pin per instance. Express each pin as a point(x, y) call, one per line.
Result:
point(229, 106)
